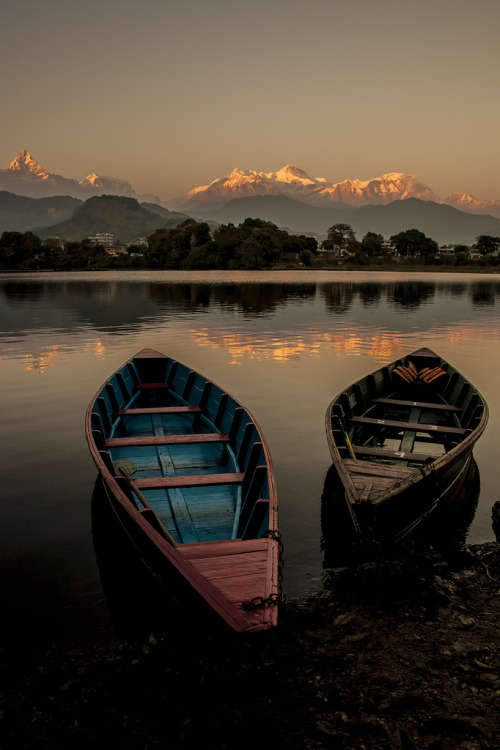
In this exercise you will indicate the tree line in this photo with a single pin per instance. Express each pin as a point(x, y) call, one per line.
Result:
point(253, 244)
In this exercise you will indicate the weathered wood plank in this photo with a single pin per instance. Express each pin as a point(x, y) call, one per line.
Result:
point(223, 548)
point(371, 468)
point(376, 483)
point(224, 567)
point(197, 480)
point(160, 410)
point(363, 450)
point(209, 437)
point(151, 386)
point(408, 425)
point(421, 404)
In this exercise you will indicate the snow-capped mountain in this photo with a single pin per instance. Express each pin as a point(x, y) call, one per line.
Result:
point(295, 183)
point(472, 205)
point(107, 185)
point(24, 176)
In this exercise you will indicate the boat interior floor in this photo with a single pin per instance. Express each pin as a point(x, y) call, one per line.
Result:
point(166, 450)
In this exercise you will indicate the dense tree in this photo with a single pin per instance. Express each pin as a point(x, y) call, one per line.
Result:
point(253, 244)
point(16, 248)
point(340, 237)
point(371, 244)
point(486, 244)
point(413, 242)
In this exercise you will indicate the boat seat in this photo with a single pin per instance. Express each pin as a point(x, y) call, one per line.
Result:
point(161, 410)
point(419, 427)
point(209, 437)
point(385, 453)
point(151, 386)
point(420, 404)
point(196, 480)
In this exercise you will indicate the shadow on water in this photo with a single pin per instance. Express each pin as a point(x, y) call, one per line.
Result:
point(392, 569)
point(138, 603)
point(147, 604)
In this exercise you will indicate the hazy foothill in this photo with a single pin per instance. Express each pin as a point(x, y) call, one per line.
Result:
point(246, 220)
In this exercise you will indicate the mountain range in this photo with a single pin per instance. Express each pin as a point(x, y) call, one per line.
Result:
point(295, 183)
point(24, 176)
point(35, 199)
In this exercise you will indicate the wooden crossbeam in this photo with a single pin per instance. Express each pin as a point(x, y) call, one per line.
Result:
point(362, 450)
point(209, 437)
point(151, 386)
point(161, 410)
point(421, 404)
point(196, 480)
point(419, 427)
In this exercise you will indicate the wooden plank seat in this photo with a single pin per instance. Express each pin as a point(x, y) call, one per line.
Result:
point(209, 437)
point(196, 480)
point(151, 386)
point(420, 404)
point(161, 410)
point(364, 450)
point(417, 426)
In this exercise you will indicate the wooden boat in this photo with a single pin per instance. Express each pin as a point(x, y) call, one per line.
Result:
point(188, 472)
point(401, 442)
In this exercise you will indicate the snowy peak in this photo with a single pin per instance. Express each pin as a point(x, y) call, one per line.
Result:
point(24, 164)
point(110, 185)
point(24, 176)
point(296, 183)
point(469, 204)
point(385, 189)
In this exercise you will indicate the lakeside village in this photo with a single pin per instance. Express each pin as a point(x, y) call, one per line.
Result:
point(254, 244)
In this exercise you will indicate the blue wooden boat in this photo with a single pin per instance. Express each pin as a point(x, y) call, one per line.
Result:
point(401, 442)
point(189, 474)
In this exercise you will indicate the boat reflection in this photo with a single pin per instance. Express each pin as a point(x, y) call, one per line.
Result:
point(442, 532)
point(138, 602)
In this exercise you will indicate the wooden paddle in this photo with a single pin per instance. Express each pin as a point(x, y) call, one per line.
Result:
point(126, 468)
point(346, 438)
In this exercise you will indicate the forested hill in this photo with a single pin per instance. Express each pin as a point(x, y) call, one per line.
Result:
point(125, 218)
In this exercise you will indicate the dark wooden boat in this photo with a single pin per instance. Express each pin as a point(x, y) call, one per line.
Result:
point(189, 474)
point(401, 441)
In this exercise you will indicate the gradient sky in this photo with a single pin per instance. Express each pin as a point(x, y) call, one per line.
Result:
point(170, 95)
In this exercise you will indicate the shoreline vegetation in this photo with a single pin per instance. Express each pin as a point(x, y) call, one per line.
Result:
point(252, 245)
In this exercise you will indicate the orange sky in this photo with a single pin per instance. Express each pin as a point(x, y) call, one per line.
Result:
point(170, 95)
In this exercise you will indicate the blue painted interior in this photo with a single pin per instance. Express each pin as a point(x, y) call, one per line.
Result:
point(199, 513)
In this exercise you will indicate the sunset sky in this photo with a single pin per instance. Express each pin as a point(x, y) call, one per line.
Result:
point(170, 95)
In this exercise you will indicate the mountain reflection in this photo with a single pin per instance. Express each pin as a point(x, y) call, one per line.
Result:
point(262, 320)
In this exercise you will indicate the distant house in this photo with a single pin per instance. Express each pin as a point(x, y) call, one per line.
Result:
point(55, 242)
point(103, 238)
point(389, 247)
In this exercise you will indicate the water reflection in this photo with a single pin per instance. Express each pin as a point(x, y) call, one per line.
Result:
point(297, 319)
point(139, 603)
point(409, 296)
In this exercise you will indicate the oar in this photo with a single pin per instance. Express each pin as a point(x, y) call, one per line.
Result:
point(125, 470)
point(346, 438)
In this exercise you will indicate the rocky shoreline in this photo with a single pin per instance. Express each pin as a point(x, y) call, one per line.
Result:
point(397, 656)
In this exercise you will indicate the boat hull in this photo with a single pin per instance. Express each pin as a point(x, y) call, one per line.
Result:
point(401, 445)
point(188, 473)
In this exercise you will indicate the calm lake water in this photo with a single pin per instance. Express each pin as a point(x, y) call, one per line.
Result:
point(282, 343)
